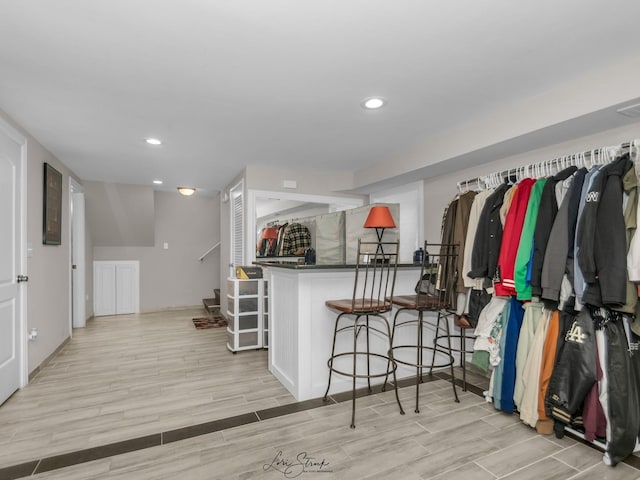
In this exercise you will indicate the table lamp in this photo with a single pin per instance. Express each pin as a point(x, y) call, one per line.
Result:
point(379, 218)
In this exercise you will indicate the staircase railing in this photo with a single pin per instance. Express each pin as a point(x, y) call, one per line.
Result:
point(205, 254)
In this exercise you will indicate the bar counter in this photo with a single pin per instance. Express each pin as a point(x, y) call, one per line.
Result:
point(301, 325)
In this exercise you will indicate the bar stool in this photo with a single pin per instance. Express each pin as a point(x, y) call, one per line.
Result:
point(462, 337)
point(375, 277)
point(434, 292)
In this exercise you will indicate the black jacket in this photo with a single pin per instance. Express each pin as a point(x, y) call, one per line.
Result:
point(575, 371)
point(603, 251)
point(622, 392)
point(486, 245)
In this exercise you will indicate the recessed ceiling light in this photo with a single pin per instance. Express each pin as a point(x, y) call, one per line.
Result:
point(158, 182)
point(372, 103)
point(153, 141)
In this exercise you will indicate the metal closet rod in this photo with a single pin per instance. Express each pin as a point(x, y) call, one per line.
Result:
point(559, 162)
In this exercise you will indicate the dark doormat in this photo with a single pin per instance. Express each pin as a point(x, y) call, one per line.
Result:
point(215, 321)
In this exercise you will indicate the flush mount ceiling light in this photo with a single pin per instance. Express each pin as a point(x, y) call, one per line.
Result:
point(373, 103)
point(158, 182)
point(186, 191)
point(153, 141)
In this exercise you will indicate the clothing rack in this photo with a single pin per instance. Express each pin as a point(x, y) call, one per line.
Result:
point(587, 158)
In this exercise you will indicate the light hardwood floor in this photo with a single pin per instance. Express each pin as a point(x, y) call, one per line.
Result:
point(127, 376)
point(130, 376)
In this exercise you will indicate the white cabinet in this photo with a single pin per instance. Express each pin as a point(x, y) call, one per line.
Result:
point(116, 287)
point(245, 310)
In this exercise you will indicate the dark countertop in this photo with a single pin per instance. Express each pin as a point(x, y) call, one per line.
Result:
point(302, 266)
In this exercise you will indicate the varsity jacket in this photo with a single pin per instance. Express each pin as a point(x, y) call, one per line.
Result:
point(547, 212)
point(575, 370)
point(511, 238)
point(602, 240)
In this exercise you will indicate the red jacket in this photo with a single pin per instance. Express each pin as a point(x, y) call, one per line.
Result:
point(511, 238)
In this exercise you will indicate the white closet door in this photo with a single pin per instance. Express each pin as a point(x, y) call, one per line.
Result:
point(127, 287)
point(104, 288)
point(116, 287)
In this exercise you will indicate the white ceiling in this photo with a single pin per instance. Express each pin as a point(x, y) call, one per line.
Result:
point(232, 83)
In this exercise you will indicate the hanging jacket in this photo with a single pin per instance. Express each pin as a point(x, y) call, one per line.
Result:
point(516, 314)
point(602, 253)
point(633, 257)
point(465, 202)
point(578, 279)
point(630, 187)
point(533, 313)
point(474, 220)
point(575, 371)
point(524, 257)
point(528, 405)
point(544, 424)
point(511, 238)
point(624, 417)
point(447, 273)
point(574, 204)
point(483, 331)
point(555, 257)
point(546, 215)
point(486, 246)
point(593, 416)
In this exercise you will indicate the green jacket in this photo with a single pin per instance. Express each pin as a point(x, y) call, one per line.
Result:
point(524, 256)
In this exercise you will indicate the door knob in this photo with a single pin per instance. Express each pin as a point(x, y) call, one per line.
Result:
point(22, 278)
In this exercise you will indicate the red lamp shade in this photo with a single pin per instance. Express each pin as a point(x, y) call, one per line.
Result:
point(379, 217)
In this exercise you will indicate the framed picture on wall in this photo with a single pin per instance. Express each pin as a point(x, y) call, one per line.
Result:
point(52, 206)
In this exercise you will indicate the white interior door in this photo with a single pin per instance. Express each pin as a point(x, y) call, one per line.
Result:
point(78, 311)
point(237, 227)
point(11, 264)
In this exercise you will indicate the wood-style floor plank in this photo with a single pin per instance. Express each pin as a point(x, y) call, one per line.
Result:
point(128, 376)
point(133, 376)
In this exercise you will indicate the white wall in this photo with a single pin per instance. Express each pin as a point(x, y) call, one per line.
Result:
point(411, 201)
point(48, 267)
point(438, 191)
point(120, 215)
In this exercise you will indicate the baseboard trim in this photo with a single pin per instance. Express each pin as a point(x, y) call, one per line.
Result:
point(37, 370)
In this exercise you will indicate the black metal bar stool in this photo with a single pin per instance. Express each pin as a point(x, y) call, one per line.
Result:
point(375, 277)
point(462, 338)
point(434, 292)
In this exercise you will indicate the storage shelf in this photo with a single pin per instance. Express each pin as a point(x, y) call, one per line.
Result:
point(245, 313)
